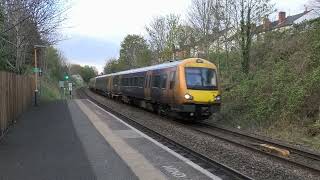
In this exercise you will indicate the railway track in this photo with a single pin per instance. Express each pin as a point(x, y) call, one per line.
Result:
point(211, 165)
point(297, 156)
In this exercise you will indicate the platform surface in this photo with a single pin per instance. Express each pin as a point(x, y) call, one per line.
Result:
point(78, 140)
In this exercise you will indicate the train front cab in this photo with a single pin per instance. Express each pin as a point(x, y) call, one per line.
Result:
point(197, 94)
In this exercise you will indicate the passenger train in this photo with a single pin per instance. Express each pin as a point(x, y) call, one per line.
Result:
point(187, 88)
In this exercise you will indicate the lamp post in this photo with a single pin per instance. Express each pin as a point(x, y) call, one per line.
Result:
point(36, 72)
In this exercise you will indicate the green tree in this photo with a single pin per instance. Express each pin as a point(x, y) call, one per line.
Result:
point(3, 63)
point(112, 65)
point(162, 35)
point(88, 72)
point(57, 66)
point(134, 52)
point(75, 69)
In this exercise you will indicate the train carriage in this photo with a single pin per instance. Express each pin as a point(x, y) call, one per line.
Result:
point(187, 88)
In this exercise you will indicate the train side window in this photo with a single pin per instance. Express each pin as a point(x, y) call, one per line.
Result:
point(156, 81)
point(141, 81)
point(172, 79)
point(136, 79)
point(129, 81)
point(164, 78)
point(125, 82)
point(115, 81)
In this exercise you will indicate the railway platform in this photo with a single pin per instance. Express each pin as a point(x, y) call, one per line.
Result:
point(76, 139)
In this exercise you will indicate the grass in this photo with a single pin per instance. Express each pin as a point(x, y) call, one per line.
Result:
point(294, 132)
point(49, 90)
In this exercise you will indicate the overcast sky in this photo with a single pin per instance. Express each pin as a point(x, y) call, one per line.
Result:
point(97, 27)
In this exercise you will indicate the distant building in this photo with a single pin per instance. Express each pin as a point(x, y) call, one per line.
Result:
point(228, 36)
point(286, 22)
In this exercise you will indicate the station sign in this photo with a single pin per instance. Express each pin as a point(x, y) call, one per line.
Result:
point(70, 86)
point(35, 70)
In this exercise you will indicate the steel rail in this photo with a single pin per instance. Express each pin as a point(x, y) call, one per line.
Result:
point(209, 164)
point(310, 161)
point(291, 148)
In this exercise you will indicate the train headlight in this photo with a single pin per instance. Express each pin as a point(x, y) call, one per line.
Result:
point(218, 98)
point(188, 97)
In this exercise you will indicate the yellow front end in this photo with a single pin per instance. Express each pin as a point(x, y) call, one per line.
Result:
point(203, 96)
point(198, 99)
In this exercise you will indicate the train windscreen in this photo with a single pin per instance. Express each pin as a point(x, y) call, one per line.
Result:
point(201, 78)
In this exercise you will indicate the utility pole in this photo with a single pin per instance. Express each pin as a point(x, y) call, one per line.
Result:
point(36, 71)
point(35, 77)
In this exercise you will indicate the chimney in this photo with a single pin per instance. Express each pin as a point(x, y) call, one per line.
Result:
point(266, 24)
point(282, 17)
point(305, 8)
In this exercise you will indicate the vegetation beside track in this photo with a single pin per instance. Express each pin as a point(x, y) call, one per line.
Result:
point(280, 96)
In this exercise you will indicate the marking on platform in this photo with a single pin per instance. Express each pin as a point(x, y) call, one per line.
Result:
point(136, 161)
point(174, 172)
point(99, 113)
point(187, 161)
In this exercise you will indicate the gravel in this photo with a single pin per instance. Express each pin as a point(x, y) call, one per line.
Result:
point(253, 164)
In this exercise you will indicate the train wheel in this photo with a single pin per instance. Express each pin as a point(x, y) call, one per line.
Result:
point(163, 110)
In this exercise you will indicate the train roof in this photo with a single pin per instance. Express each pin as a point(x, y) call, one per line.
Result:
point(148, 68)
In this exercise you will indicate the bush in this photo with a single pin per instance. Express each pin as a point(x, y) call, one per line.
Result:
point(283, 83)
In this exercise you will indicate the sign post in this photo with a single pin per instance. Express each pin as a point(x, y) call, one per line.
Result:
point(35, 77)
point(70, 89)
point(61, 85)
point(36, 72)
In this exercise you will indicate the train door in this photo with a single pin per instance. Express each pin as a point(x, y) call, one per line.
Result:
point(163, 87)
point(171, 86)
point(156, 87)
point(147, 86)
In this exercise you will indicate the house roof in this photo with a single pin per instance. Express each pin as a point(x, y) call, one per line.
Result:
point(289, 21)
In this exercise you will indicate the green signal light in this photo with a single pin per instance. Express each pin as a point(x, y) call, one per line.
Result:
point(66, 77)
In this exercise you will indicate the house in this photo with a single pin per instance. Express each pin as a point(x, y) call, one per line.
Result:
point(226, 39)
point(285, 22)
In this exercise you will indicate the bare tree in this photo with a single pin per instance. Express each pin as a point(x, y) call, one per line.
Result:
point(205, 18)
point(316, 5)
point(246, 13)
point(163, 33)
point(186, 39)
point(172, 23)
point(157, 35)
point(31, 22)
point(227, 27)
